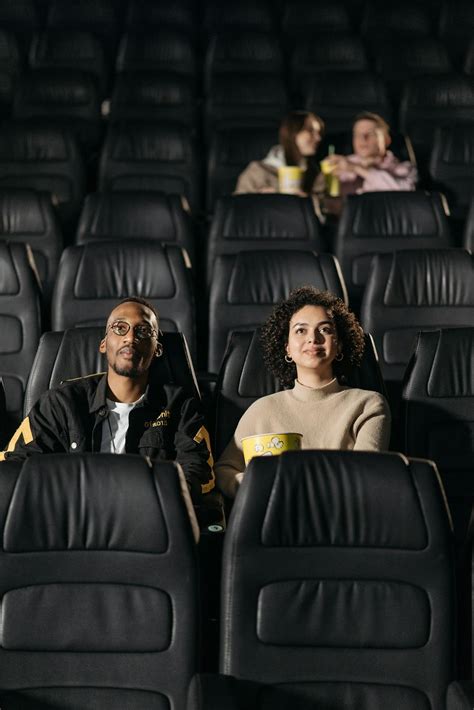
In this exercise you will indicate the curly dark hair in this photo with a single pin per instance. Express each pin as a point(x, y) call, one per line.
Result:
point(274, 333)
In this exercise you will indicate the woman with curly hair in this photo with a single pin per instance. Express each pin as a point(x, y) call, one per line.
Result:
point(310, 343)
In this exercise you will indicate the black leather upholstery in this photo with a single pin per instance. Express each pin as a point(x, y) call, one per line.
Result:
point(381, 222)
point(438, 397)
point(245, 287)
point(327, 52)
point(135, 215)
point(468, 240)
point(231, 149)
point(63, 355)
point(456, 22)
point(256, 222)
point(3, 416)
point(147, 13)
point(407, 57)
point(10, 55)
point(245, 14)
point(95, 611)
point(96, 16)
point(245, 98)
point(154, 96)
point(150, 156)
point(27, 216)
point(337, 580)
point(431, 101)
point(244, 52)
point(46, 159)
point(157, 49)
point(243, 378)
point(63, 49)
point(19, 325)
point(339, 96)
point(409, 291)
point(93, 277)
point(452, 166)
point(20, 17)
point(303, 17)
point(399, 20)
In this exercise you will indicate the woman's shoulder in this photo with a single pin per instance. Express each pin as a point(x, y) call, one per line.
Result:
point(268, 400)
point(368, 397)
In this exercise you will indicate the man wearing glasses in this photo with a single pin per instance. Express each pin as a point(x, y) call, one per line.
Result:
point(117, 412)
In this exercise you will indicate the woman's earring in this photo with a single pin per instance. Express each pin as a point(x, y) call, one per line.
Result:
point(159, 350)
point(288, 359)
point(339, 357)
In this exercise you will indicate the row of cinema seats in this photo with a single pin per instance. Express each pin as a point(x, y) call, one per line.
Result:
point(337, 587)
point(437, 397)
point(416, 280)
point(149, 151)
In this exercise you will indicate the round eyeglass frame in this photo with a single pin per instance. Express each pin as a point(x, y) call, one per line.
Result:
point(150, 331)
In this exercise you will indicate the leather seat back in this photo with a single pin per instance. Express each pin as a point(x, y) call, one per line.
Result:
point(247, 285)
point(452, 166)
point(338, 580)
point(157, 49)
point(95, 610)
point(409, 291)
point(92, 278)
point(149, 96)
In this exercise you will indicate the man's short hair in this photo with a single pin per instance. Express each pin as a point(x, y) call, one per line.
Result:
point(142, 302)
point(375, 118)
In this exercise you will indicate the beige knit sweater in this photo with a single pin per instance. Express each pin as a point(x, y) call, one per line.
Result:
point(330, 417)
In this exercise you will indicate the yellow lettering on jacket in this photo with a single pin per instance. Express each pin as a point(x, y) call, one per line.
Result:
point(161, 420)
point(23, 430)
point(203, 435)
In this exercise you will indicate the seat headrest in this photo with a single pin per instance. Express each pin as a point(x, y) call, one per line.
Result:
point(123, 512)
point(21, 212)
point(323, 501)
point(149, 142)
point(34, 143)
point(9, 283)
point(452, 370)
point(403, 214)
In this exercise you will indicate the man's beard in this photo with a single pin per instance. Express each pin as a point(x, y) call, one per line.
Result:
point(133, 372)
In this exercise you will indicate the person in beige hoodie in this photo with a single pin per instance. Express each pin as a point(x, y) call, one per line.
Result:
point(310, 343)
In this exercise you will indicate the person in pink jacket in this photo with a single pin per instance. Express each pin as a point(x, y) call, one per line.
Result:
point(372, 167)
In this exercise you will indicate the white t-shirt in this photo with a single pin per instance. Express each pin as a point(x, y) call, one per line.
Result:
point(115, 427)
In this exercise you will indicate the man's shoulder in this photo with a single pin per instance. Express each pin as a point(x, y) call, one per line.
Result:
point(86, 382)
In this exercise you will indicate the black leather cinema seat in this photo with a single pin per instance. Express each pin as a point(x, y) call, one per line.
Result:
point(150, 156)
point(77, 51)
point(147, 13)
point(45, 159)
point(246, 286)
point(245, 99)
point(94, 277)
point(161, 96)
point(111, 216)
point(245, 14)
point(20, 325)
point(96, 16)
point(27, 216)
point(409, 291)
point(256, 222)
point(395, 20)
point(452, 166)
point(380, 222)
point(438, 399)
point(456, 25)
point(431, 101)
point(338, 581)
point(243, 52)
point(339, 96)
point(303, 17)
point(327, 52)
point(231, 149)
point(157, 49)
point(243, 378)
point(63, 355)
point(96, 614)
point(20, 17)
point(468, 238)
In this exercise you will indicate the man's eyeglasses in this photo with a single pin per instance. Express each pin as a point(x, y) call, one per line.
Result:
point(142, 331)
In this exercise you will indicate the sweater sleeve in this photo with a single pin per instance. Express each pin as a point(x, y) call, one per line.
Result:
point(372, 426)
point(255, 178)
point(379, 179)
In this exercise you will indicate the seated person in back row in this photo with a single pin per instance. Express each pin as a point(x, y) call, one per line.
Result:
point(371, 167)
point(310, 342)
point(300, 135)
point(121, 411)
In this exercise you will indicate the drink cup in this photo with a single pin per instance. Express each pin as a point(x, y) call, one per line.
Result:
point(289, 179)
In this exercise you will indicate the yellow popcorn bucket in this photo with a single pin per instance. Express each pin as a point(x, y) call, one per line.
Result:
point(270, 444)
point(289, 179)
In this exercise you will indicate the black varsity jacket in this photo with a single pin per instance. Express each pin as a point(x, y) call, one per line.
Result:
point(167, 425)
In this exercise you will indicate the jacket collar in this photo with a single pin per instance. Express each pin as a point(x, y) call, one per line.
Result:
point(99, 396)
